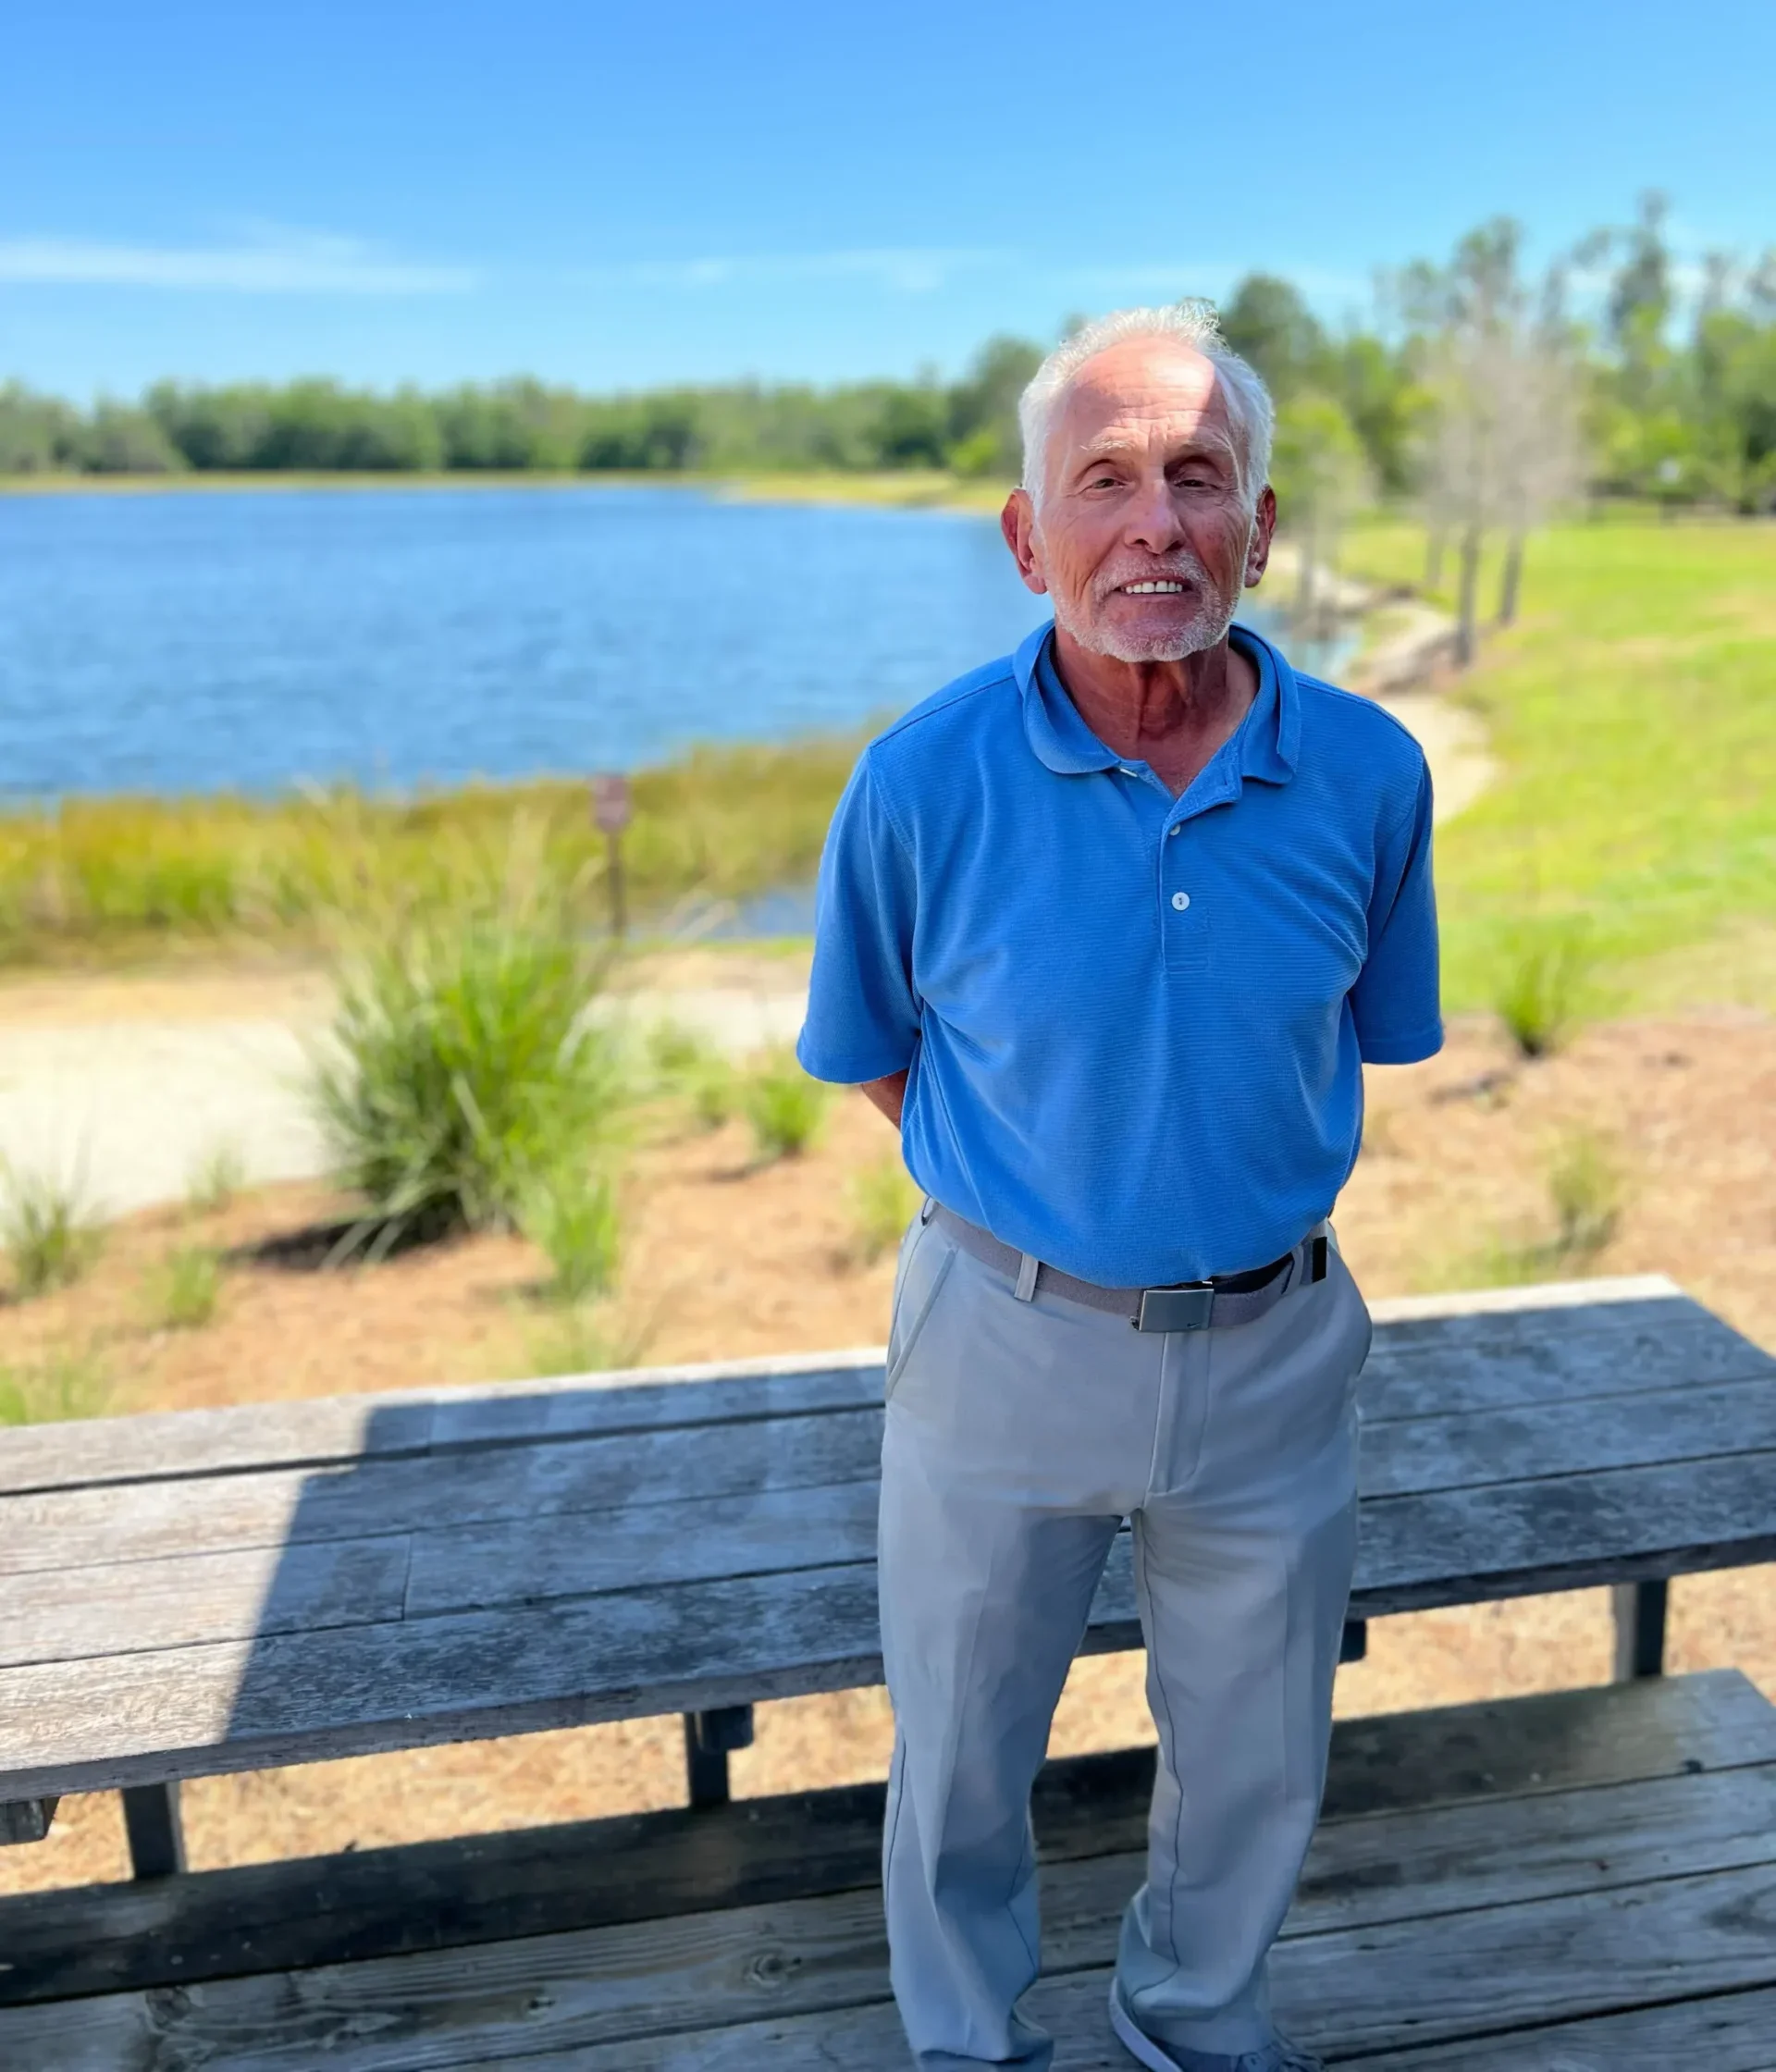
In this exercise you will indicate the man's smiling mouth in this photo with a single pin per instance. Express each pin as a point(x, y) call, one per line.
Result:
point(1154, 590)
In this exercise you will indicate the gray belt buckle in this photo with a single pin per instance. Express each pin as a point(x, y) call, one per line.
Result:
point(1189, 1308)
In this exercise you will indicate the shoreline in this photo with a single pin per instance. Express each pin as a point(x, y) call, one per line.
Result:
point(919, 489)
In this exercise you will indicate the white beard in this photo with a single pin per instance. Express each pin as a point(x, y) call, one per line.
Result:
point(1206, 628)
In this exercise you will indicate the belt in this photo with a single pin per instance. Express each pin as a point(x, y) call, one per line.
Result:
point(1191, 1305)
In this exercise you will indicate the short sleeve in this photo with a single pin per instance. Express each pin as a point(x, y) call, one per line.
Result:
point(1395, 1002)
point(863, 1013)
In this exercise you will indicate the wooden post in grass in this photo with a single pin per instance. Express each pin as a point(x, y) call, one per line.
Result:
point(612, 809)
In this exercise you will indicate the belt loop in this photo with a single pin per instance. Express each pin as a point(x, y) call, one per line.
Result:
point(929, 1209)
point(1029, 1267)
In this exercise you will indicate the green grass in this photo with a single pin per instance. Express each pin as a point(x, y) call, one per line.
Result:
point(1634, 709)
point(47, 1232)
point(52, 1390)
point(783, 1105)
point(571, 1214)
point(880, 1197)
point(184, 1289)
point(215, 1179)
point(1588, 1190)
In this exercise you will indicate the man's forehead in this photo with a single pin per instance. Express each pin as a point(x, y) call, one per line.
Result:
point(1138, 381)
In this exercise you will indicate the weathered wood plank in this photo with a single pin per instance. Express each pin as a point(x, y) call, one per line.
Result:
point(1420, 1381)
point(329, 1430)
point(596, 1873)
point(62, 1614)
point(1534, 1442)
point(225, 1513)
point(85, 1724)
point(1566, 1533)
point(528, 1555)
point(1724, 2032)
point(1492, 1943)
point(476, 1566)
point(1553, 1306)
point(1667, 2039)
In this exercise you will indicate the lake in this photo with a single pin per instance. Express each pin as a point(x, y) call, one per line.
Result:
point(249, 640)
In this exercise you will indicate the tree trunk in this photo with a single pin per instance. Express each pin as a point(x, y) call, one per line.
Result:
point(1304, 581)
point(1435, 541)
point(1512, 581)
point(1466, 641)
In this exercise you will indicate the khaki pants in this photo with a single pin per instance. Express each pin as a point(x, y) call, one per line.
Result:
point(1020, 1435)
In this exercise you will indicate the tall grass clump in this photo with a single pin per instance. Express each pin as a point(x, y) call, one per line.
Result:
point(1588, 1190)
point(690, 1069)
point(1545, 985)
point(53, 1390)
point(880, 1197)
point(47, 1232)
point(184, 1289)
point(217, 1178)
point(463, 1067)
point(785, 1106)
point(572, 1216)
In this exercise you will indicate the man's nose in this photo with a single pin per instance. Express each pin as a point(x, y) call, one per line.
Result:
point(1154, 520)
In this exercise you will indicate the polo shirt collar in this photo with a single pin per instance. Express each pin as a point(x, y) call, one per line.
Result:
point(1268, 739)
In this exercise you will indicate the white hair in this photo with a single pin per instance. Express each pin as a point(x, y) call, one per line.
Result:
point(1191, 323)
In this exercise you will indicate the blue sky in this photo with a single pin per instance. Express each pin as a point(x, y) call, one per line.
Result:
point(616, 196)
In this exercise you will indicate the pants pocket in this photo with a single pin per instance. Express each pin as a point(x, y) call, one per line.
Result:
point(924, 1268)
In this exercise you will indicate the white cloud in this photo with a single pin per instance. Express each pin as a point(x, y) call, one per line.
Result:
point(903, 270)
point(273, 262)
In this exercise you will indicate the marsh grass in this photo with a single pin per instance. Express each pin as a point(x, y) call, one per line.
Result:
point(48, 1234)
point(123, 875)
point(784, 1108)
point(184, 1289)
point(463, 1068)
point(880, 1199)
point(50, 1391)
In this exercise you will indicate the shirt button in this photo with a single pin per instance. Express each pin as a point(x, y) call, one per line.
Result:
point(1180, 900)
point(1177, 828)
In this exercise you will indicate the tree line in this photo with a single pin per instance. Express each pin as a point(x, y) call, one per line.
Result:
point(1475, 390)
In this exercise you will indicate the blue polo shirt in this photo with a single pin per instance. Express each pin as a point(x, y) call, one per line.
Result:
point(1134, 1024)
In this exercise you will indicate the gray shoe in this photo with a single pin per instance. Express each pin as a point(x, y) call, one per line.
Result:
point(1162, 2057)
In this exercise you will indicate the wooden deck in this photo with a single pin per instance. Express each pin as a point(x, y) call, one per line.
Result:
point(1582, 1882)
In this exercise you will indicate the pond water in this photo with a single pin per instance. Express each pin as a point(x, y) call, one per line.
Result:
point(247, 640)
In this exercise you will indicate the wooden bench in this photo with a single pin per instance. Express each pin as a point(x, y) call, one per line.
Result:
point(229, 1590)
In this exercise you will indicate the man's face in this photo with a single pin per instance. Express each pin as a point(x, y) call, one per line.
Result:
point(1144, 540)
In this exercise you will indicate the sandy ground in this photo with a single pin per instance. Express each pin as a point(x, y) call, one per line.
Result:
point(727, 1258)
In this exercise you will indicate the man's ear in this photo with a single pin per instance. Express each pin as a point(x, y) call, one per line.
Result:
point(1264, 523)
point(1017, 522)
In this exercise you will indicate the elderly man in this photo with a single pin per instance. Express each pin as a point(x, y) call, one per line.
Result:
point(1108, 928)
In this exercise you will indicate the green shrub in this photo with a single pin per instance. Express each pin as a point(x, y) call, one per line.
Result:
point(582, 1339)
point(465, 1067)
point(572, 1216)
point(881, 1199)
point(1545, 983)
point(185, 1287)
point(783, 1105)
point(216, 1178)
point(64, 1386)
point(49, 1239)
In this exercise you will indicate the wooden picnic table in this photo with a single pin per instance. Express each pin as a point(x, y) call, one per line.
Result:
point(227, 1590)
